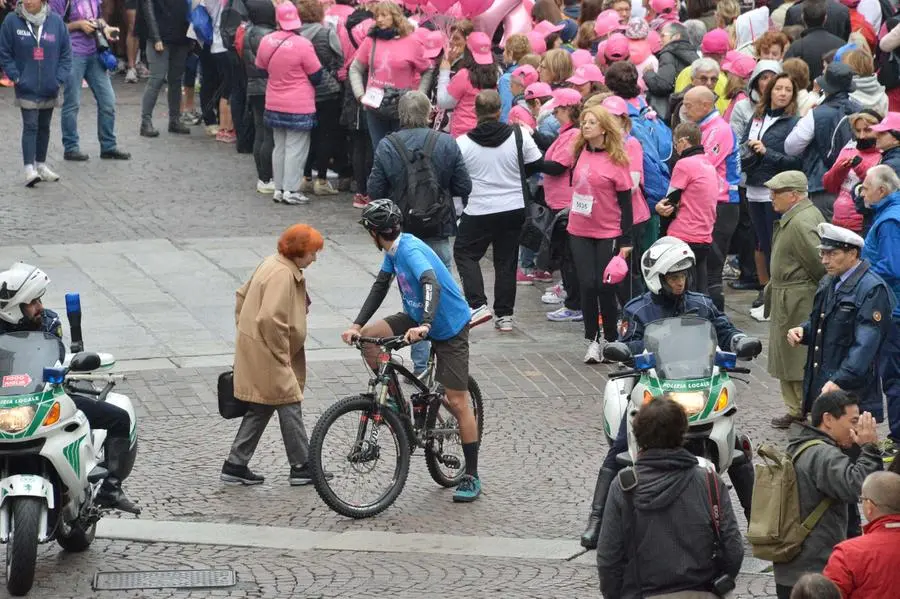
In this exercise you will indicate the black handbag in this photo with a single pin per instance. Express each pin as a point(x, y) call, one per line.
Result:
point(229, 406)
point(389, 109)
point(538, 218)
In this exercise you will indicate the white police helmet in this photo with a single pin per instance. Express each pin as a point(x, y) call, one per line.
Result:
point(668, 255)
point(21, 284)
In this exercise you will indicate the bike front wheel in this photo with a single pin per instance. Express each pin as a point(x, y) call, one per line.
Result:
point(443, 450)
point(359, 460)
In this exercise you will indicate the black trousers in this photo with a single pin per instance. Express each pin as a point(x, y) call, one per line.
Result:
point(362, 158)
point(727, 216)
point(500, 231)
point(633, 285)
point(244, 126)
point(215, 84)
point(328, 141)
point(591, 257)
point(263, 141)
point(698, 274)
point(783, 591)
point(562, 249)
point(105, 415)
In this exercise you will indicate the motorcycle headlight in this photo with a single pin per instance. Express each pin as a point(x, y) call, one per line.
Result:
point(692, 401)
point(13, 420)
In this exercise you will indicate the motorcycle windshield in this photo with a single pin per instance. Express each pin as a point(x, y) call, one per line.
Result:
point(23, 357)
point(685, 347)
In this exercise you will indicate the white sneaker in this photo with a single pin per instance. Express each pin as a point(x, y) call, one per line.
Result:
point(758, 314)
point(45, 173)
point(264, 187)
point(594, 353)
point(554, 295)
point(294, 198)
point(277, 195)
point(131, 76)
point(504, 324)
point(31, 176)
point(480, 315)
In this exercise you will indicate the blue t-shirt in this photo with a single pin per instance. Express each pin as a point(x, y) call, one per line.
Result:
point(407, 260)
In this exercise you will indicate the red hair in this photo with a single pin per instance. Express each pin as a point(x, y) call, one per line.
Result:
point(299, 240)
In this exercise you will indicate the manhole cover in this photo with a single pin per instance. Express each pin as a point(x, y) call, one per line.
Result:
point(163, 579)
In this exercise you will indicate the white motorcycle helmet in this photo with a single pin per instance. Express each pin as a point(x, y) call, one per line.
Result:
point(668, 255)
point(21, 284)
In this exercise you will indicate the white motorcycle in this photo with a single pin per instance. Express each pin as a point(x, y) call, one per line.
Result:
point(51, 462)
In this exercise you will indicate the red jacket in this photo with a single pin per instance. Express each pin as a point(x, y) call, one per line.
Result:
point(866, 567)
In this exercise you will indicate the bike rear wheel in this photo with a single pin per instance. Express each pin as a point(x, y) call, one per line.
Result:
point(443, 450)
point(366, 471)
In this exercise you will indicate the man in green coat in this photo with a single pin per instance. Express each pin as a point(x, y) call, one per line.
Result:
point(795, 271)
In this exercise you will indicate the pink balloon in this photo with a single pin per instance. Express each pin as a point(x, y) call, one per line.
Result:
point(473, 8)
point(443, 5)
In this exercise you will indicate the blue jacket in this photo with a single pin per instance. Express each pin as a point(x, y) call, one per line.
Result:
point(506, 95)
point(648, 307)
point(882, 249)
point(760, 169)
point(892, 159)
point(36, 80)
point(826, 118)
point(845, 332)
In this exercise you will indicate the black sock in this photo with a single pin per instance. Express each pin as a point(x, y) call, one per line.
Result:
point(470, 451)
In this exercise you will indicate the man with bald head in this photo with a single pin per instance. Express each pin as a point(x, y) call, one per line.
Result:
point(866, 567)
point(721, 148)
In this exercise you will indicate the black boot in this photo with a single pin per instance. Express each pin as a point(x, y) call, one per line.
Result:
point(592, 532)
point(742, 477)
point(118, 462)
point(112, 496)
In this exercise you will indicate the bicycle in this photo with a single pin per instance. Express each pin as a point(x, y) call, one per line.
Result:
point(424, 420)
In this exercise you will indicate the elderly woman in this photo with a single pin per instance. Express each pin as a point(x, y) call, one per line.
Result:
point(36, 56)
point(269, 356)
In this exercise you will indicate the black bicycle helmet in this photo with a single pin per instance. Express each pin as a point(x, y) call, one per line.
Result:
point(381, 216)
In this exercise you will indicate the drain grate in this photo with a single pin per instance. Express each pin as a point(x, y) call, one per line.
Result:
point(163, 579)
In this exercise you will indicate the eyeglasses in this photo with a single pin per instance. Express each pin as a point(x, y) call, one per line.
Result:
point(864, 498)
point(828, 252)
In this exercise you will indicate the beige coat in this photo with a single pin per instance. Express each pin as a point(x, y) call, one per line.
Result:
point(269, 356)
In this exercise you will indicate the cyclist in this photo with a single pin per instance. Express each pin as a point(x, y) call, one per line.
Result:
point(434, 307)
point(666, 267)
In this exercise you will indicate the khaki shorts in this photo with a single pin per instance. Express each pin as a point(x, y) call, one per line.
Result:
point(452, 365)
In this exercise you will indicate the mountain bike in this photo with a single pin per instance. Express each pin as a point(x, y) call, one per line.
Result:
point(360, 449)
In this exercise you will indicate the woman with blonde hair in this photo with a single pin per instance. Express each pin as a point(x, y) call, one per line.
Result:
point(270, 358)
point(600, 221)
point(555, 68)
point(869, 93)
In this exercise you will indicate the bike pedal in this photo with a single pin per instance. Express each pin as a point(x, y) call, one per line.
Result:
point(451, 461)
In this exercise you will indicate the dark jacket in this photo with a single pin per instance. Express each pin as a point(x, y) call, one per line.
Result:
point(163, 21)
point(827, 119)
point(670, 530)
point(760, 169)
point(837, 20)
point(36, 81)
point(234, 13)
point(262, 23)
point(328, 50)
point(812, 45)
point(892, 159)
point(824, 470)
point(845, 332)
point(388, 176)
point(882, 249)
point(673, 59)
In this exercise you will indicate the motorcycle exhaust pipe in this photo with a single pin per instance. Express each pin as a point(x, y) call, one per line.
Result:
point(73, 312)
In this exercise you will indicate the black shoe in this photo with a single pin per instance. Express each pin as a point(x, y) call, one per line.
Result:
point(592, 533)
point(179, 128)
point(302, 475)
point(239, 475)
point(785, 422)
point(745, 285)
point(760, 299)
point(115, 154)
point(75, 156)
point(147, 130)
point(112, 496)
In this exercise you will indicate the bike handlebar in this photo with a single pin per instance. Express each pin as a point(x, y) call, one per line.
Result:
point(392, 343)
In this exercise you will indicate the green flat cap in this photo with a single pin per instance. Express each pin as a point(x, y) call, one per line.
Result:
point(793, 180)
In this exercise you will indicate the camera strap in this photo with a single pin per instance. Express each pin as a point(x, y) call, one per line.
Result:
point(715, 510)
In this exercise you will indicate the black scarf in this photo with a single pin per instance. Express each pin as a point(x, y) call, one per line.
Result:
point(490, 134)
point(383, 34)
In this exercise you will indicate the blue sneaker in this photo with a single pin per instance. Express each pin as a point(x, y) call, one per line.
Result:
point(468, 490)
point(565, 315)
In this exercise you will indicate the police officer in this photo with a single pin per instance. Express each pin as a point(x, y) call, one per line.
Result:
point(21, 309)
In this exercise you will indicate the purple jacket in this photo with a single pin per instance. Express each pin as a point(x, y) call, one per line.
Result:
point(82, 44)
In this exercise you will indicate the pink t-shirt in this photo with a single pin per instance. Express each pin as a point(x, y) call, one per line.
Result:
point(557, 191)
point(717, 138)
point(699, 183)
point(398, 62)
point(519, 115)
point(640, 211)
point(595, 210)
point(289, 59)
point(462, 119)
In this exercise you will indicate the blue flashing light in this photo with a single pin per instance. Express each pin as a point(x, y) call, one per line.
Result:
point(54, 376)
point(726, 359)
point(73, 303)
point(645, 361)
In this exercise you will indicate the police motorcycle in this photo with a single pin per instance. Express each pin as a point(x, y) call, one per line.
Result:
point(52, 465)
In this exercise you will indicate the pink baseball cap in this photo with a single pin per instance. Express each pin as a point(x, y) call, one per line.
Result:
point(739, 64)
point(545, 28)
point(432, 41)
point(616, 47)
point(527, 74)
point(616, 271)
point(891, 122)
point(479, 45)
point(537, 42)
point(565, 96)
point(581, 57)
point(607, 22)
point(716, 42)
point(586, 73)
point(538, 90)
point(287, 17)
point(615, 106)
point(661, 6)
point(654, 41)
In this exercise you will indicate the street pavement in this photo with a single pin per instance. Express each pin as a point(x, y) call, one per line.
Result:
point(156, 247)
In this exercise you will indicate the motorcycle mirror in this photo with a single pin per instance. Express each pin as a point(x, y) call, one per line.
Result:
point(748, 348)
point(84, 362)
point(617, 352)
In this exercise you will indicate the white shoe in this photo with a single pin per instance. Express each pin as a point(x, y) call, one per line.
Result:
point(277, 195)
point(504, 324)
point(758, 314)
point(294, 198)
point(263, 187)
point(554, 295)
point(480, 315)
point(131, 76)
point(45, 173)
point(594, 353)
point(307, 186)
point(31, 176)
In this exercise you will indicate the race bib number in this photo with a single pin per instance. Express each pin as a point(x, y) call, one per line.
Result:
point(373, 97)
point(582, 204)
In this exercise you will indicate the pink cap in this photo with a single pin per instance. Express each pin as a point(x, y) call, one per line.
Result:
point(716, 42)
point(581, 57)
point(616, 47)
point(538, 44)
point(479, 45)
point(538, 90)
point(360, 31)
point(545, 28)
point(891, 122)
point(660, 6)
point(615, 105)
point(616, 271)
point(654, 41)
point(585, 74)
point(526, 73)
point(287, 17)
point(432, 41)
point(565, 96)
point(739, 64)
point(606, 22)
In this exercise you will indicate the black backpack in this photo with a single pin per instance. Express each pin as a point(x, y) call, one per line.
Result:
point(424, 204)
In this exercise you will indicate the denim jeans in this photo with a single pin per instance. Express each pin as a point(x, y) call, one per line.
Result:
point(35, 134)
point(379, 128)
point(421, 349)
point(89, 69)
